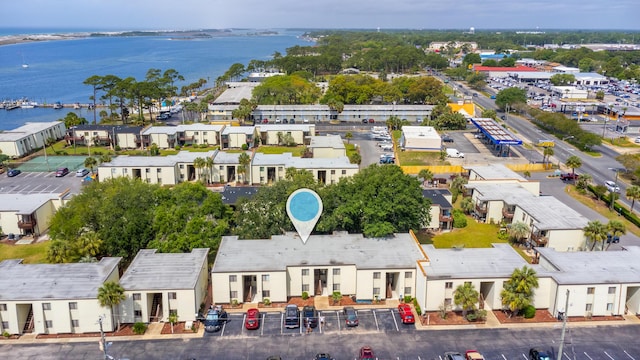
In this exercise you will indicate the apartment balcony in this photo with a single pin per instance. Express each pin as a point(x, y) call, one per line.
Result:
point(27, 224)
point(507, 213)
point(539, 240)
point(481, 209)
point(446, 218)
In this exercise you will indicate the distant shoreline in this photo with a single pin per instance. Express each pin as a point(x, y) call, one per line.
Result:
point(186, 35)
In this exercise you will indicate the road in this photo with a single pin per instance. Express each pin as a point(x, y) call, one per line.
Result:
point(581, 343)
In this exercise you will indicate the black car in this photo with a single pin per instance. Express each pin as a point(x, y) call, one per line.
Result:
point(447, 139)
point(350, 316)
point(535, 354)
point(215, 319)
point(310, 316)
point(323, 356)
point(453, 356)
point(291, 316)
point(13, 172)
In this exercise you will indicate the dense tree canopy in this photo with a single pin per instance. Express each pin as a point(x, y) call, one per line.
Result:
point(128, 215)
point(286, 90)
point(511, 96)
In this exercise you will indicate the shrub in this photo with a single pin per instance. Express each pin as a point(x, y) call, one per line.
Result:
point(472, 316)
point(204, 146)
point(6, 334)
point(194, 328)
point(118, 148)
point(266, 301)
point(442, 311)
point(459, 219)
point(407, 299)
point(336, 296)
point(234, 302)
point(481, 314)
point(177, 147)
point(139, 328)
point(305, 295)
point(418, 309)
point(245, 147)
point(529, 312)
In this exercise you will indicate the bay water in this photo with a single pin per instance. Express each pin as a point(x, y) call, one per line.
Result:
point(57, 69)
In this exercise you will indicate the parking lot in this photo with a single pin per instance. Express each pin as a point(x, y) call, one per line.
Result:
point(272, 324)
point(39, 183)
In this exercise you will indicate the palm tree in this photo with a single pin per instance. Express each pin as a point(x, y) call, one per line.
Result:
point(105, 158)
point(88, 244)
point(616, 228)
point(199, 163)
point(633, 193)
point(573, 162)
point(457, 187)
point(596, 232)
point(426, 175)
point(547, 154)
point(110, 295)
point(466, 296)
point(244, 160)
point(583, 181)
point(348, 136)
point(90, 162)
point(518, 230)
point(209, 165)
point(518, 290)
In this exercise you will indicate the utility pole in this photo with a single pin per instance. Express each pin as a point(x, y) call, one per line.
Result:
point(103, 343)
point(564, 327)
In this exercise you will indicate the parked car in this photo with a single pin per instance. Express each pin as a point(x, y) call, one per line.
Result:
point(323, 356)
point(446, 138)
point(215, 319)
point(350, 316)
point(366, 353)
point(569, 177)
point(310, 316)
point(13, 172)
point(62, 172)
point(82, 172)
point(611, 186)
point(291, 316)
point(406, 314)
point(535, 354)
point(473, 355)
point(252, 321)
point(450, 355)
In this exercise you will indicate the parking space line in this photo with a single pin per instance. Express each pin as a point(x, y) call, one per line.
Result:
point(395, 321)
point(587, 355)
point(224, 326)
point(262, 324)
point(281, 323)
point(610, 357)
point(242, 327)
point(567, 356)
point(631, 357)
point(523, 355)
point(504, 357)
point(338, 316)
point(375, 318)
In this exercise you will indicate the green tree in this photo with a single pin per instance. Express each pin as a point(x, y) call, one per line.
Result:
point(573, 162)
point(467, 205)
point(72, 119)
point(244, 160)
point(583, 182)
point(633, 193)
point(518, 291)
point(615, 228)
point(596, 232)
point(562, 79)
point(200, 163)
point(348, 136)
point(90, 162)
point(511, 96)
point(466, 296)
point(450, 121)
point(355, 158)
point(457, 187)
point(110, 295)
point(518, 230)
point(547, 153)
point(95, 82)
point(173, 319)
point(426, 175)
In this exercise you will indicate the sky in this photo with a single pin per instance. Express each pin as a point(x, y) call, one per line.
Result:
point(350, 14)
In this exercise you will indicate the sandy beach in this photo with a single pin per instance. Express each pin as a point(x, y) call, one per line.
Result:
point(18, 39)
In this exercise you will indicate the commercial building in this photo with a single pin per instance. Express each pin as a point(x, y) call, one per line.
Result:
point(31, 136)
point(420, 138)
point(55, 298)
point(284, 266)
point(159, 284)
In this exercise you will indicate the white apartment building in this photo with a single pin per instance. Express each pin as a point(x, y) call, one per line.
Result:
point(31, 136)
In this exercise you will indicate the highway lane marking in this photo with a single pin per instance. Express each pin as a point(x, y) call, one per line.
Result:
point(608, 355)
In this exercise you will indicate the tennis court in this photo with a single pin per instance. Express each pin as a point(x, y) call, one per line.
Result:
point(51, 163)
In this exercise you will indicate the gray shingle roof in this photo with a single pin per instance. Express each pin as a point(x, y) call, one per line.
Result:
point(150, 270)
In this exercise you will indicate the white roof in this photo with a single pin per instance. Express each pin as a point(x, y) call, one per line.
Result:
point(411, 132)
point(234, 94)
point(164, 271)
point(24, 203)
point(157, 161)
point(27, 129)
point(224, 157)
point(327, 141)
point(172, 130)
point(288, 160)
point(247, 130)
point(285, 127)
point(43, 282)
point(494, 172)
point(341, 248)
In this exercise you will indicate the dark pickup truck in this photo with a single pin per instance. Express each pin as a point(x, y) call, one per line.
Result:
point(569, 177)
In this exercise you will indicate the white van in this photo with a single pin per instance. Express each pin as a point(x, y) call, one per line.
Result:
point(454, 153)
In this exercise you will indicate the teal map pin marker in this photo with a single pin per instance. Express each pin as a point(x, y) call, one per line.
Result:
point(304, 207)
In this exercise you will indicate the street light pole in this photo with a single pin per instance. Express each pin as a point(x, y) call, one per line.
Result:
point(564, 327)
point(615, 186)
point(103, 342)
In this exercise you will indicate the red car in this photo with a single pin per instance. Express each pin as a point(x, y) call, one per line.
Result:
point(406, 314)
point(366, 353)
point(252, 320)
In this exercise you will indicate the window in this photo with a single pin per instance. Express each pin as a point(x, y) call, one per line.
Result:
point(221, 167)
point(181, 166)
point(5, 324)
point(612, 290)
point(336, 287)
point(75, 323)
point(261, 168)
point(233, 294)
point(305, 287)
point(344, 172)
point(305, 272)
point(376, 291)
point(48, 324)
point(336, 271)
point(136, 296)
point(73, 306)
point(147, 170)
point(407, 290)
point(591, 290)
point(408, 275)
point(448, 285)
point(233, 278)
point(159, 170)
point(195, 133)
point(609, 306)
point(137, 313)
point(333, 172)
point(588, 307)
point(204, 133)
point(172, 295)
point(265, 277)
point(3, 307)
point(46, 306)
point(376, 275)
point(266, 293)
point(447, 302)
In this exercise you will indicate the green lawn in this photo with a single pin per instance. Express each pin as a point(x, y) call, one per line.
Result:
point(296, 151)
point(474, 235)
point(61, 148)
point(418, 158)
point(32, 254)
